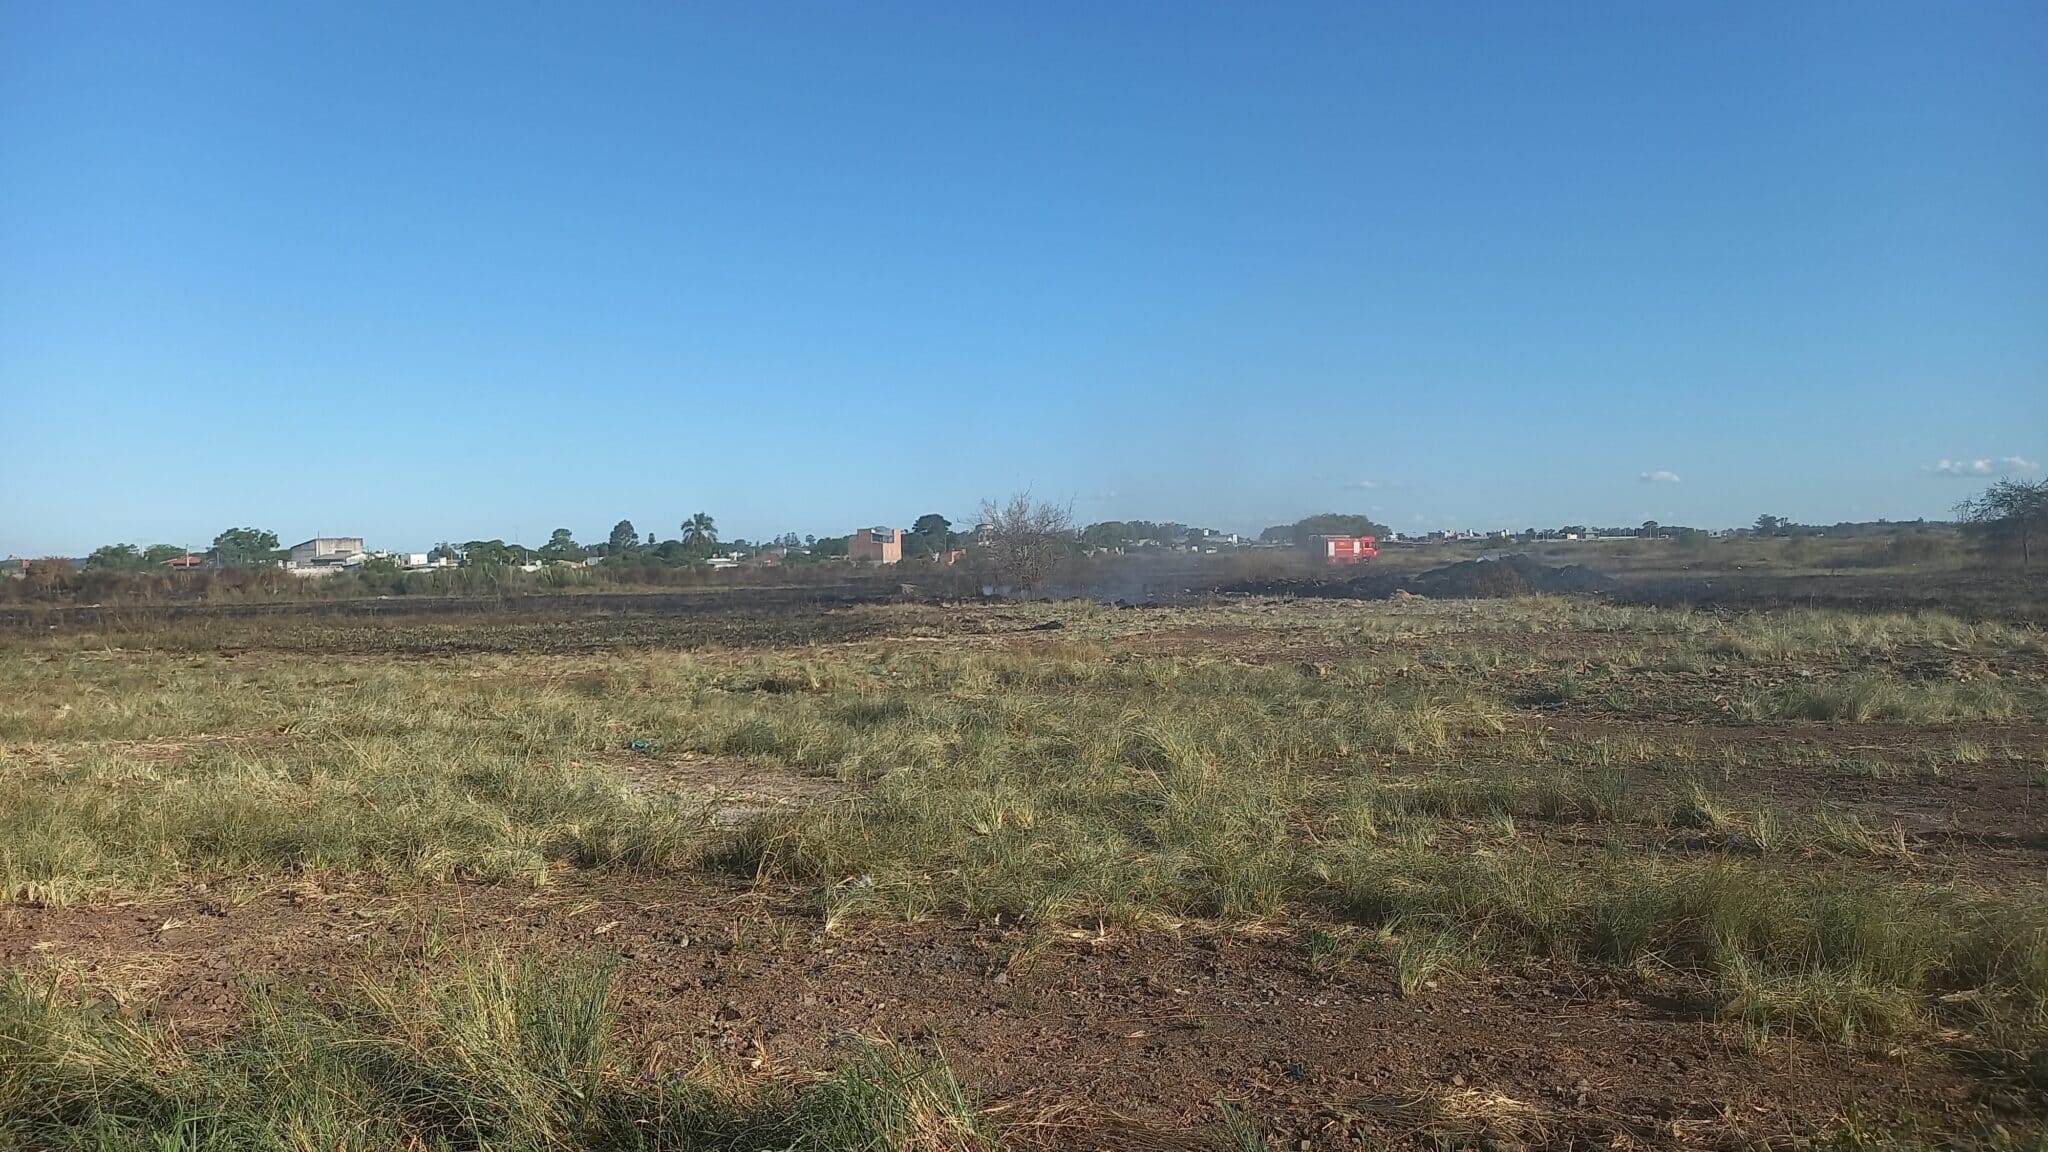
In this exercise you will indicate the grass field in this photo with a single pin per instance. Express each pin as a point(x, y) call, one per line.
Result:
point(1521, 872)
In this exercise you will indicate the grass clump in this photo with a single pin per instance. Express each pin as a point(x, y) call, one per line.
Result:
point(480, 1053)
point(1421, 955)
point(1869, 697)
point(430, 808)
point(1839, 954)
point(1831, 1003)
point(1157, 787)
point(1062, 778)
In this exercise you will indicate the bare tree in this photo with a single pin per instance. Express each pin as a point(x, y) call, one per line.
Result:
point(2010, 516)
point(1025, 540)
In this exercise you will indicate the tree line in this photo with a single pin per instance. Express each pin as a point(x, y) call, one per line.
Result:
point(233, 548)
point(1022, 539)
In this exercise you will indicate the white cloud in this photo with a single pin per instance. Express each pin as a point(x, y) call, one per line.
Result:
point(1985, 466)
point(1368, 483)
point(1660, 476)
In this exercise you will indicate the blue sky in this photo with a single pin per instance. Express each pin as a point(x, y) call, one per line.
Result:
point(432, 270)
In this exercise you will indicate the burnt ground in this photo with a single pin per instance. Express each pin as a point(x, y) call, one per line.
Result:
point(1094, 1039)
point(1487, 578)
point(1972, 594)
point(750, 613)
point(450, 625)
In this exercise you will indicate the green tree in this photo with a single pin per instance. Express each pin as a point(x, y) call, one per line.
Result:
point(156, 554)
point(1768, 525)
point(700, 533)
point(624, 539)
point(1108, 534)
point(931, 535)
point(2011, 516)
point(561, 545)
point(494, 554)
point(115, 558)
point(1650, 528)
point(672, 552)
point(245, 547)
point(1324, 524)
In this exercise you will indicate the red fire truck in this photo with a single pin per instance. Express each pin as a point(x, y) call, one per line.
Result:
point(1345, 549)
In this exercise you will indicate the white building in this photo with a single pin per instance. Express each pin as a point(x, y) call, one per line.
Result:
point(326, 554)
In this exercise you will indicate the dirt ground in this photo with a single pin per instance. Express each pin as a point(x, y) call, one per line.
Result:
point(1103, 1040)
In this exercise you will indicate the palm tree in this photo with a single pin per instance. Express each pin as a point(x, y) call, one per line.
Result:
point(700, 531)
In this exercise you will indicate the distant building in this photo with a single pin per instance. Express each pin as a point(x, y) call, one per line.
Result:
point(325, 554)
point(876, 545)
point(185, 563)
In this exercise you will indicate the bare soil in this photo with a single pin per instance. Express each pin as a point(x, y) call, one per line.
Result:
point(735, 791)
point(1101, 1040)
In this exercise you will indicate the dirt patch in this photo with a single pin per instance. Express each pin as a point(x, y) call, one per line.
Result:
point(735, 791)
point(1082, 1039)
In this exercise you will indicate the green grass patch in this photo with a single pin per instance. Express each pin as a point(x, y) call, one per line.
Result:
point(1872, 697)
point(472, 1053)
